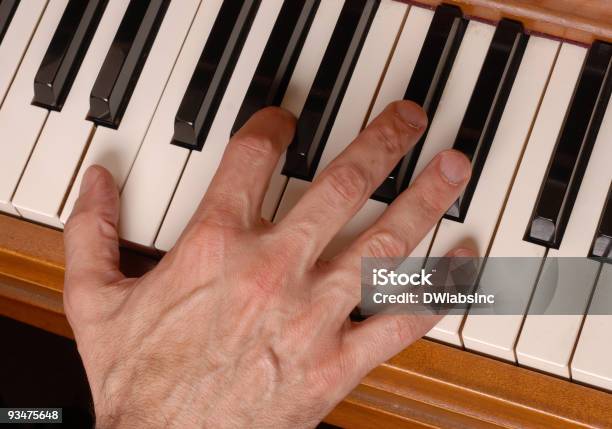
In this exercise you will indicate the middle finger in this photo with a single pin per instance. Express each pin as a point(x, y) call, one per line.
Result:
point(345, 185)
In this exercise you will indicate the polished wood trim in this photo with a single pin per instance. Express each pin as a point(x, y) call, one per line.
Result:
point(24, 245)
point(32, 275)
point(449, 387)
point(34, 315)
point(581, 21)
point(428, 385)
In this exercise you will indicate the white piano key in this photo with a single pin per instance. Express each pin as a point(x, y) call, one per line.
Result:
point(477, 229)
point(497, 335)
point(16, 40)
point(451, 109)
point(404, 59)
point(592, 361)
point(116, 149)
point(158, 165)
point(65, 136)
point(352, 114)
point(546, 341)
point(459, 87)
point(511, 136)
point(201, 166)
point(547, 338)
point(393, 87)
point(185, 208)
point(457, 93)
point(299, 86)
point(453, 104)
point(21, 122)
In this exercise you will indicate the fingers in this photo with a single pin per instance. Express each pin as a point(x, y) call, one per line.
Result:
point(404, 224)
point(236, 193)
point(415, 212)
point(382, 336)
point(345, 185)
point(90, 237)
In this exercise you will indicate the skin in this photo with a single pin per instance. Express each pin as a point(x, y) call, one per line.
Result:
point(242, 324)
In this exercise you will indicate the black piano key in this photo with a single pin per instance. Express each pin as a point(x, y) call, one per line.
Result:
point(65, 53)
point(7, 10)
point(425, 88)
point(279, 58)
point(211, 76)
point(573, 149)
point(124, 61)
point(602, 244)
point(487, 105)
point(330, 83)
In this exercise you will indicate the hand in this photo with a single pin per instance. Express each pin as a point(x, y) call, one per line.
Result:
point(241, 324)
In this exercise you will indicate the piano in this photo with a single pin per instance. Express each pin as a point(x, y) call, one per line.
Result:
point(153, 89)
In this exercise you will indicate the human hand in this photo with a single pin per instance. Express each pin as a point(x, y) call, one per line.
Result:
point(241, 324)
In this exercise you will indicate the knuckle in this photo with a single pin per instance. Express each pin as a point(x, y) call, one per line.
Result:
point(254, 145)
point(386, 244)
point(90, 220)
point(335, 286)
point(224, 206)
point(221, 209)
point(210, 237)
point(418, 117)
point(394, 133)
point(299, 233)
point(76, 222)
point(346, 184)
point(294, 239)
point(345, 296)
point(390, 137)
point(428, 203)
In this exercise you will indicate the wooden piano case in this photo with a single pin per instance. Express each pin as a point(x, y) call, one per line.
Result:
point(429, 384)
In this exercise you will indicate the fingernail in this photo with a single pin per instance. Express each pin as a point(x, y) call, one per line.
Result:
point(412, 114)
point(454, 166)
point(90, 178)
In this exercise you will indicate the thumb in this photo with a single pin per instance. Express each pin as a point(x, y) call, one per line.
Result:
point(90, 235)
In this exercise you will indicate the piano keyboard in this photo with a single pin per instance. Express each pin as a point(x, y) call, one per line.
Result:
point(153, 89)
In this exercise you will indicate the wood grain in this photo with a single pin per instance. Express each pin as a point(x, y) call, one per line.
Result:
point(428, 385)
point(581, 21)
